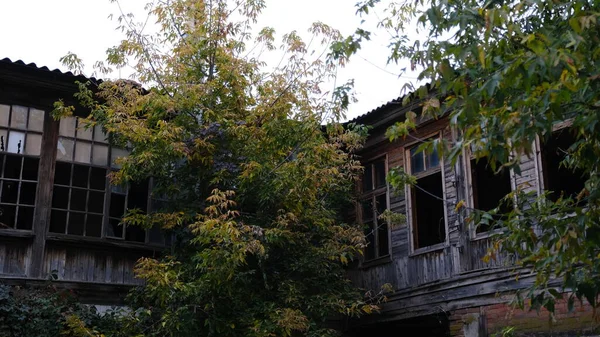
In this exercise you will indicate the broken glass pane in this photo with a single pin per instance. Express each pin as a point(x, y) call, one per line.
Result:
point(10, 190)
point(36, 120)
point(67, 126)
point(34, 144)
point(65, 149)
point(62, 174)
point(417, 163)
point(16, 141)
point(93, 225)
point(12, 167)
point(114, 228)
point(60, 197)
point(18, 117)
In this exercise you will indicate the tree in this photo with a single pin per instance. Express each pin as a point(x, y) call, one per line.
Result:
point(257, 169)
point(505, 71)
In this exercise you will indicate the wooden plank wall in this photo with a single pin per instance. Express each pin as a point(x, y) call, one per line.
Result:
point(88, 265)
point(462, 255)
point(15, 257)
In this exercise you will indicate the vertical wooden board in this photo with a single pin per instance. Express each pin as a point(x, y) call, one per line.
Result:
point(128, 270)
point(109, 268)
point(99, 272)
point(3, 262)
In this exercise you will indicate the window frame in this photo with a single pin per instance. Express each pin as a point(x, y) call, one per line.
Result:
point(470, 200)
point(371, 196)
point(409, 195)
point(109, 167)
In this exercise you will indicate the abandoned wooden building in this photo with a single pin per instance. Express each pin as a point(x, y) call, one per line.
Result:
point(434, 260)
point(59, 215)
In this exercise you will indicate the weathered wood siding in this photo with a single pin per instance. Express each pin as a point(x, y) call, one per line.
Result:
point(14, 258)
point(88, 265)
point(463, 253)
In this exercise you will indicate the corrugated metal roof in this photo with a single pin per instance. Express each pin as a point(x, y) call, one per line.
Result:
point(45, 69)
point(380, 108)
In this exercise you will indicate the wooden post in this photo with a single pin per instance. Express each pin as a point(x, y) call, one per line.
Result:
point(41, 218)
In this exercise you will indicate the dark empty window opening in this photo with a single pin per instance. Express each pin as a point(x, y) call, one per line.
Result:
point(18, 186)
point(374, 203)
point(427, 199)
point(488, 189)
point(77, 202)
point(559, 179)
point(428, 211)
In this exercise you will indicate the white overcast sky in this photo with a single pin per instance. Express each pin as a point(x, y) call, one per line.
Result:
point(41, 31)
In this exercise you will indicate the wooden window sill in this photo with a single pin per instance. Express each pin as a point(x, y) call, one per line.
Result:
point(486, 235)
point(103, 242)
point(429, 249)
point(17, 233)
point(376, 262)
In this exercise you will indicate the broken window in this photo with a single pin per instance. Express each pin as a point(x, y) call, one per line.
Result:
point(426, 198)
point(20, 146)
point(488, 188)
point(559, 179)
point(374, 203)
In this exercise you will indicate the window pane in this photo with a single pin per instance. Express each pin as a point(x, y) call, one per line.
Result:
point(18, 118)
point(93, 226)
point(117, 153)
point(433, 159)
point(381, 201)
point(3, 140)
point(67, 126)
point(60, 197)
point(36, 120)
point(25, 218)
point(65, 149)
point(117, 205)
point(58, 222)
point(7, 216)
point(379, 173)
point(135, 233)
point(34, 144)
point(76, 223)
point(100, 155)
point(99, 135)
point(138, 196)
point(96, 202)
point(428, 211)
point(382, 238)
point(16, 140)
point(27, 195)
point(98, 179)
point(417, 163)
point(114, 229)
point(80, 175)
point(62, 174)
point(84, 132)
point(156, 235)
point(4, 114)
point(558, 178)
point(78, 199)
point(30, 168)
point(83, 152)
point(12, 167)
point(368, 178)
point(367, 210)
point(10, 190)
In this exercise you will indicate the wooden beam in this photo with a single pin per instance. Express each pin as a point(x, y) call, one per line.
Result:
point(41, 218)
